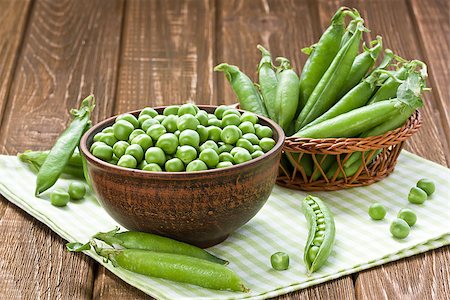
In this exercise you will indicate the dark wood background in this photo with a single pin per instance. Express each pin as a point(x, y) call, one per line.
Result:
point(132, 54)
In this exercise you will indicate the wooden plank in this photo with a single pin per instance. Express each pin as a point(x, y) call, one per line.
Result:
point(432, 21)
point(70, 50)
point(284, 27)
point(166, 58)
point(167, 54)
point(13, 17)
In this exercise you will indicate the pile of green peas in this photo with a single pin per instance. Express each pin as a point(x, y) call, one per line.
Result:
point(183, 138)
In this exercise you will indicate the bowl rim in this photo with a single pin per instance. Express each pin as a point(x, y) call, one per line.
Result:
point(171, 175)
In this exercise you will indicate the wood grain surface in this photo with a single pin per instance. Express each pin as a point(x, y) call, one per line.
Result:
point(136, 53)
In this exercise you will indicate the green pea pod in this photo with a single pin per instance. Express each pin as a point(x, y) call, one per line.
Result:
point(64, 147)
point(306, 162)
point(287, 93)
point(351, 28)
point(321, 56)
point(268, 82)
point(321, 234)
point(355, 122)
point(363, 62)
point(243, 87)
point(175, 267)
point(326, 92)
point(152, 242)
point(325, 164)
point(409, 91)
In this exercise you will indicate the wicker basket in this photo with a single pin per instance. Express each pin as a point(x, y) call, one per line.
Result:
point(385, 149)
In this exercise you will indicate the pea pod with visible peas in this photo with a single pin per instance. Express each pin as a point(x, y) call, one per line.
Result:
point(327, 90)
point(321, 56)
point(152, 242)
point(321, 233)
point(64, 147)
point(287, 93)
point(268, 82)
point(246, 92)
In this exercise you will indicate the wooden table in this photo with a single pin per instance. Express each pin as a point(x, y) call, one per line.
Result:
point(132, 54)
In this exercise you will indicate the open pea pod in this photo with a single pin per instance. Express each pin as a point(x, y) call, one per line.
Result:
point(321, 234)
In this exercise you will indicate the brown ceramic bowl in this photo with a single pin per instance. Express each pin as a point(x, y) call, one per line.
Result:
point(200, 208)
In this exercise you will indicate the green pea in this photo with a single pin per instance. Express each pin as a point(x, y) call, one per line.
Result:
point(187, 121)
point(135, 133)
point(155, 155)
point(202, 117)
point(417, 195)
point(103, 151)
point(187, 108)
point(377, 211)
point(97, 136)
point(247, 127)
point(230, 134)
point(155, 131)
point(426, 185)
point(279, 261)
point(243, 143)
point(95, 144)
point(196, 165)
point(127, 161)
point(214, 133)
point(108, 129)
point(218, 112)
point(250, 117)
point(159, 118)
point(171, 110)
point(224, 164)
point(236, 150)
point(225, 156)
point(174, 165)
point(266, 144)
point(143, 140)
point(312, 252)
point(130, 118)
point(149, 123)
point(109, 139)
point(189, 137)
point(119, 148)
point(317, 241)
point(209, 145)
point(224, 148)
point(215, 122)
point(152, 168)
point(408, 216)
point(77, 190)
point(114, 160)
point(143, 118)
point(177, 133)
point(168, 142)
point(186, 154)
point(122, 129)
point(211, 116)
point(148, 111)
point(252, 138)
point(263, 131)
point(142, 164)
point(231, 119)
point(399, 228)
point(170, 122)
point(203, 133)
point(257, 148)
point(59, 198)
point(209, 157)
point(257, 153)
point(242, 156)
point(136, 151)
point(231, 111)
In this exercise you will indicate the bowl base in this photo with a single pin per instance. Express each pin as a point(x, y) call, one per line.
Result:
point(209, 243)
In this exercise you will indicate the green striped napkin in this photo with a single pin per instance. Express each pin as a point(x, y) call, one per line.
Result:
point(280, 226)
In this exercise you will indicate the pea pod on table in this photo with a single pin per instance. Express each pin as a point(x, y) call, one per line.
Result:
point(321, 234)
point(243, 87)
point(287, 94)
point(268, 82)
point(152, 242)
point(64, 146)
point(321, 56)
point(326, 92)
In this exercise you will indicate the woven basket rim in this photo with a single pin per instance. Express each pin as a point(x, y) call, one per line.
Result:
point(345, 145)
